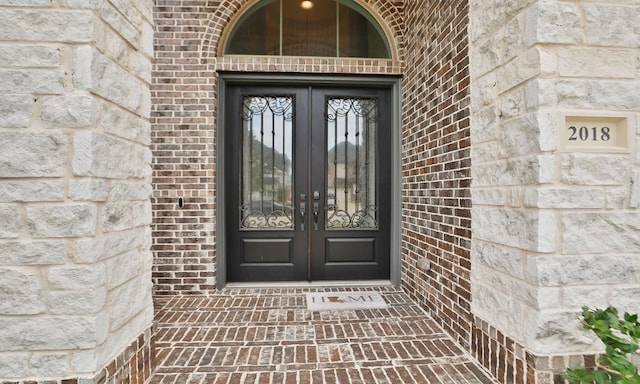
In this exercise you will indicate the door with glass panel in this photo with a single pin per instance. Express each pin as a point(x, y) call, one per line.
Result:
point(307, 183)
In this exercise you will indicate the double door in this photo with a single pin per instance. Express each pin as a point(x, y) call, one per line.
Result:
point(307, 183)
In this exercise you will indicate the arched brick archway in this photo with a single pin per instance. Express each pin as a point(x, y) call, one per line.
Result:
point(386, 13)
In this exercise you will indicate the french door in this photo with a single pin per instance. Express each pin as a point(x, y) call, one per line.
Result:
point(307, 183)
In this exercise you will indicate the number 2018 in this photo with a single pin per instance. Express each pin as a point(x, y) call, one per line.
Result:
point(589, 134)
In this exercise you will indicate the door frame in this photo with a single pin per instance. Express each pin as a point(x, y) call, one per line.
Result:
point(391, 82)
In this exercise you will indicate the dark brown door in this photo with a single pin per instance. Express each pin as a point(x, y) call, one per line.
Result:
point(307, 183)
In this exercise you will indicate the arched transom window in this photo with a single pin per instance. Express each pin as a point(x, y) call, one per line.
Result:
point(333, 28)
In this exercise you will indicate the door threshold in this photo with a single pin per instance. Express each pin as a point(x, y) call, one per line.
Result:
point(312, 284)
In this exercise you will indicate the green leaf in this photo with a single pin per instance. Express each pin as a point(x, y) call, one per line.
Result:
point(601, 377)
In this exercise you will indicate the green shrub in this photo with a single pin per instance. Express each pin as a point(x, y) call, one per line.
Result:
point(620, 337)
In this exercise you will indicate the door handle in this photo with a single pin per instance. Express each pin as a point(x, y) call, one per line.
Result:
point(316, 208)
point(303, 208)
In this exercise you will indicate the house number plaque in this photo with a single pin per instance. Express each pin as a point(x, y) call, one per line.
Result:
point(595, 134)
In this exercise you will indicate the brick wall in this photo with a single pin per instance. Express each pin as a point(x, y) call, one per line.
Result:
point(184, 128)
point(436, 165)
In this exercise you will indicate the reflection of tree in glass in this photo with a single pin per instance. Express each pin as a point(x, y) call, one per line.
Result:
point(270, 170)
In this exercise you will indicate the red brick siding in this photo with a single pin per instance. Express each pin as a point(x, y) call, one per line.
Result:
point(436, 164)
point(184, 128)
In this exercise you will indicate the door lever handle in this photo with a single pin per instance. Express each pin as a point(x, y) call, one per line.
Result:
point(316, 208)
point(303, 206)
point(315, 216)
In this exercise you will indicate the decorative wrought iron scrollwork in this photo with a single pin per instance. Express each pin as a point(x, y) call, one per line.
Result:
point(362, 219)
point(339, 107)
point(280, 106)
point(255, 219)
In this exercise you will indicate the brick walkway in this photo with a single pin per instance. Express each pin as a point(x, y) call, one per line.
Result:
point(268, 336)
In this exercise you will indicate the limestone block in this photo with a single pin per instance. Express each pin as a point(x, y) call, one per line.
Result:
point(519, 137)
point(515, 197)
point(17, 253)
point(9, 223)
point(484, 92)
point(635, 190)
point(626, 299)
point(37, 56)
point(48, 364)
point(126, 125)
point(582, 270)
point(77, 278)
point(20, 293)
point(511, 172)
point(553, 22)
point(147, 39)
point(487, 56)
point(126, 215)
point(32, 154)
point(530, 295)
point(518, 228)
point(95, 154)
point(130, 191)
point(124, 268)
point(14, 365)
point(114, 17)
point(555, 332)
point(512, 104)
point(118, 85)
point(116, 48)
point(47, 333)
point(62, 220)
point(82, 64)
point(615, 198)
point(47, 25)
point(15, 110)
point(76, 111)
point(128, 300)
point(485, 152)
point(25, 3)
point(600, 233)
point(88, 190)
point(31, 81)
point(596, 62)
point(141, 66)
point(612, 25)
point(541, 92)
point(494, 16)
point(511, 40)
point(488, 197)
point(561, 198)
point(503, 259)
point(593, 94)
point(31, 191)
point(77, 302)
point(591, 169)
point(502, 311)
point(592, 296)
point(516, 72)
point(93, 250)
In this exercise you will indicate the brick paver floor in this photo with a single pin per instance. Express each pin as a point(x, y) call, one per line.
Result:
point(268, 336)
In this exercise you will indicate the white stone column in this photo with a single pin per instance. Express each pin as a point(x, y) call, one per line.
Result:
point(555, 226)
point(75, 183)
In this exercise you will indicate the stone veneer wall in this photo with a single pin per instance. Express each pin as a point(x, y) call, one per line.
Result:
point(184, 95)
point(75, 183)
point(553, 229)
point(436, 165)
